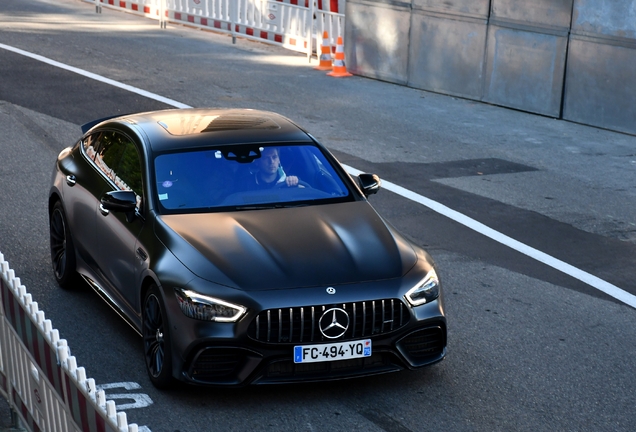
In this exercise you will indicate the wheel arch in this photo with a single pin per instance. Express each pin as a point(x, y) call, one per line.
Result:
point(53, 198)
point(145, 286)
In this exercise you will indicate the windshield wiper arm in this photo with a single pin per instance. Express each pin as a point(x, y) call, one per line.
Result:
point(268, 206)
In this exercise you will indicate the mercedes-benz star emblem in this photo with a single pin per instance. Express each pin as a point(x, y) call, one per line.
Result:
point(334, 323)
point(331, 290)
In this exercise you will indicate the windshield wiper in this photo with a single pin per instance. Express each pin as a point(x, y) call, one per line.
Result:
point(269, 206)
point(258, 207)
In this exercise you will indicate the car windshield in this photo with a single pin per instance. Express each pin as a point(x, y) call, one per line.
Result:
point(246, 177)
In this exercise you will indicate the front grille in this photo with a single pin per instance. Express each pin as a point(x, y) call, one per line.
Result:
point(425, 343)
point(300, 324)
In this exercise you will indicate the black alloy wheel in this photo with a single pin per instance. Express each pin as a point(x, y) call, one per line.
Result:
point(156, 336)
point(62, 250)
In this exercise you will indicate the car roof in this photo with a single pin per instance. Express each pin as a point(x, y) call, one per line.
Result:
point(173, 129)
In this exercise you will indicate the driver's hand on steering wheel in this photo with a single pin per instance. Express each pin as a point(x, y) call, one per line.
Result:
point(291, 181)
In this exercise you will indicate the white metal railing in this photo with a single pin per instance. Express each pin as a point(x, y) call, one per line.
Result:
point(293, 24)
point(39, 377)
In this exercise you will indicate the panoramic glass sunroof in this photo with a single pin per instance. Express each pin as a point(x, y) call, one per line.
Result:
point(179, 124)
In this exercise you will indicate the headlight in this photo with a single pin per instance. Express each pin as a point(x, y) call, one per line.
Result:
point(202, 307)
point(425, 291)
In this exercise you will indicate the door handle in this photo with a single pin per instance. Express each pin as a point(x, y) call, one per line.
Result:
point(141, 254)
point(70, 180)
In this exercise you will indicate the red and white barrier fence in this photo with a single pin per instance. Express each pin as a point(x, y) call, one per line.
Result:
point(39, 376)
point(293, 24)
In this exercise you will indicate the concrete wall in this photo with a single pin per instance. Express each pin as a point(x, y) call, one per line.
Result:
point(571, 59)
point(600, 83)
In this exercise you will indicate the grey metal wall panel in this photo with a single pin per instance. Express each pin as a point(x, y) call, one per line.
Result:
point(547, 13)
point(475, 8)
point(446, 55)
point(525, 70)
point(377, 40)
point(601, 85)
point(611, 18)
point(507, 52)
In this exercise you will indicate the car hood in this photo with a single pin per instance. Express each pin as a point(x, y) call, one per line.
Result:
point(322, 245)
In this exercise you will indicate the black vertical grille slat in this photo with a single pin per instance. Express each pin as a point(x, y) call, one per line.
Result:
point(373, 320)
point(383, 319)
point(355, 319)
point(364, 317)
point(319, 335)
point(300, 324)
point(291, 324)
point(313, 323)
point(392, 314)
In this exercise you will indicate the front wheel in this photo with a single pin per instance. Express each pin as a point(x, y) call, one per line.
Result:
point(156, 337)
point(62, 249)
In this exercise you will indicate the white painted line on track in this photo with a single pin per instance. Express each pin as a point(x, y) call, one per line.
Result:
point(96, 77)
point(593, 281)
point(531, 252)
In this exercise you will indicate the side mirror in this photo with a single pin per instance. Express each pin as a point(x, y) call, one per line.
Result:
point(370, 183)
point(124, 201)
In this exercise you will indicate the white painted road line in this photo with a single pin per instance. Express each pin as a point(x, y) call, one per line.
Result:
point(95, 77)
point(593, 281)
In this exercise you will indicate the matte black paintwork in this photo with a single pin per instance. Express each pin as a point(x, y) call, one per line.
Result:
point(293, 248)
point(261, 259)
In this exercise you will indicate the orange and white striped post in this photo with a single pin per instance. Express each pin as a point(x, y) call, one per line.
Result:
point(339, 68)
point(325, 53)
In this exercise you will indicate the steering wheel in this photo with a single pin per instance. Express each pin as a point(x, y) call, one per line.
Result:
point(300, 183)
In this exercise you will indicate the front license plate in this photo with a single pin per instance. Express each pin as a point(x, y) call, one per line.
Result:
point(332, 351)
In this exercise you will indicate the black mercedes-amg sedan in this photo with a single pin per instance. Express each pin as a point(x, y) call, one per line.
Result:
point(240, 250)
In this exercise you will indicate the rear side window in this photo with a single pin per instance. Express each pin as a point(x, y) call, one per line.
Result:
point(116, 156)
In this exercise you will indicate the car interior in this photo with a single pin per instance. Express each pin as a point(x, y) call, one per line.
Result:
point(214, 178)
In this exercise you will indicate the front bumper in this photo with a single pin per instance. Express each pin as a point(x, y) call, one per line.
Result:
point(260, 351)
point(228, 365)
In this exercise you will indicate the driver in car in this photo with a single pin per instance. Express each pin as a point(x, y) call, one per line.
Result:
point(270, 173)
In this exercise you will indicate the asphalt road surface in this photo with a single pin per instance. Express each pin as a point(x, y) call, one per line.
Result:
point(531, 348)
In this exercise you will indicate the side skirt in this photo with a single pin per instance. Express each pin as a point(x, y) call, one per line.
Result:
point(109, 300)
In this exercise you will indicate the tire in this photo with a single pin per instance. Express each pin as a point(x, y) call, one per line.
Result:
point(156, 340)
point(62, 248)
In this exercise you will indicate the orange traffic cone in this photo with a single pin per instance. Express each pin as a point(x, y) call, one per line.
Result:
point(325, 53)
point(339, 68)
